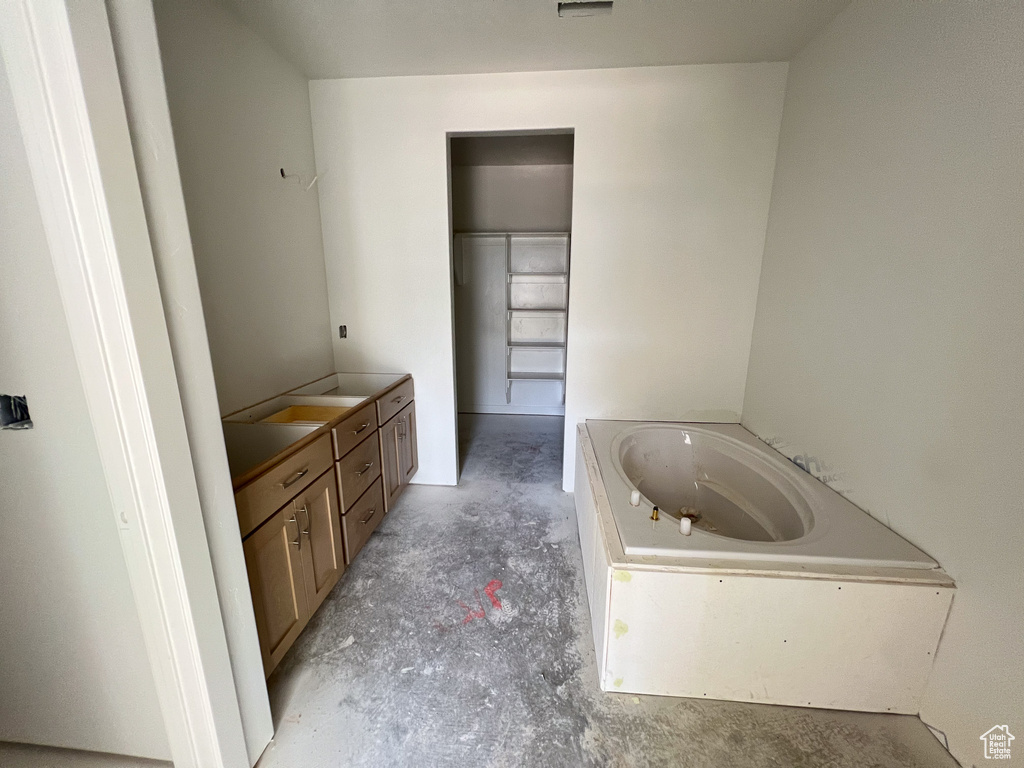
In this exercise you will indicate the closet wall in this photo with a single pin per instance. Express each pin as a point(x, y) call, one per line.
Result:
point(512, 198)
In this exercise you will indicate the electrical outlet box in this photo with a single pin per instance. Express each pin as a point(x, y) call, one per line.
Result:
point(14, 412)
point(342, 331)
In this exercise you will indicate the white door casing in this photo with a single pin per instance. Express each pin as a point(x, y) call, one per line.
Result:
point(72, 117)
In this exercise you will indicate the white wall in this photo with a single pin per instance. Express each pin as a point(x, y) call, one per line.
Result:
point(672, 176)
point(890, 317)
point(73, 667)
point(240, 113)
point(512, 198)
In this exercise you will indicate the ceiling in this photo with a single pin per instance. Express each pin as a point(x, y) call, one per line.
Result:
point(372, 38)
point(513, 149)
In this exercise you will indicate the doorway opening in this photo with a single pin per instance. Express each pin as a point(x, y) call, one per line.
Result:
point(511, 218)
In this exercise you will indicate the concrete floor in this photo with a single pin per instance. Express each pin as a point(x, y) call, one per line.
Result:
point(460, 637)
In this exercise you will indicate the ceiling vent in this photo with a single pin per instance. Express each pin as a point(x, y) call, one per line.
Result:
point(577, 8)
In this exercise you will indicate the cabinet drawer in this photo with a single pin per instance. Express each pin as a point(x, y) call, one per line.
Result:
point(355, 428)
point(362, 519)
point(273, 489)
point(394, 401)
point(358, 470)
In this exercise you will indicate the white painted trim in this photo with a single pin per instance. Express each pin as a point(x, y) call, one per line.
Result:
point(121, 348)
point(134, 37)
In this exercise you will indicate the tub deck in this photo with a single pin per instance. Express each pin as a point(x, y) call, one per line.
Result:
point(817, 635)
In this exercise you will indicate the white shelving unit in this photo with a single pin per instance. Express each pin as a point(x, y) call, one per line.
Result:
point(537, 305)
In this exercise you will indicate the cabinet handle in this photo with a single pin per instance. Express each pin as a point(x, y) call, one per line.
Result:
point(398, 399)
point(369, 517)
point(298, 538)
point(365, 469)
point(295, 478)
point(305, 511)
point(357, 431)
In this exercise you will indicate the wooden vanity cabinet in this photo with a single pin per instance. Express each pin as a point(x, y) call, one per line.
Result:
point(304, 517)
point(399, 457)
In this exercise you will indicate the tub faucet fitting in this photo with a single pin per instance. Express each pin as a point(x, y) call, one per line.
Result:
point(654, 512)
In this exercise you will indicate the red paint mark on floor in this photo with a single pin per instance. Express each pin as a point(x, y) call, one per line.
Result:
point(477, 612)
point(490, 589)
point(471, 613)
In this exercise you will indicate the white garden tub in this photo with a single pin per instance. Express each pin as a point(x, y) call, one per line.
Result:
point(783, 591)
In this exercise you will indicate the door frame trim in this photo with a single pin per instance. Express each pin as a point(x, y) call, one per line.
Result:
point(76, 136)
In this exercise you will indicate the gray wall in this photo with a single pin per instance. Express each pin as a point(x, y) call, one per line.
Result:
point(73, 666)
point(512, 198)
point(240, 112)
point(890, 319)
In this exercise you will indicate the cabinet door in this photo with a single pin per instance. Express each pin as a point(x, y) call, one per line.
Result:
point(319, 516)
point(273, 555)
point(389, 452)
point(407, 455)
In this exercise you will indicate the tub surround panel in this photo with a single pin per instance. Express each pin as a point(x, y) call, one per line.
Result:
point(844, 638)
point(597, 563)
point(823, 644)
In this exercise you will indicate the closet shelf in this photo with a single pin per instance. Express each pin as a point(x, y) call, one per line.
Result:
point(536, 300)
point(535, 376)
point(537, 344)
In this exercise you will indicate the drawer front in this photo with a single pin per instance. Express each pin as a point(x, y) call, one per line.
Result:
point(354, 429)
point(362, 519)
point(278, 485)
point(358, 470)
point(394, 401)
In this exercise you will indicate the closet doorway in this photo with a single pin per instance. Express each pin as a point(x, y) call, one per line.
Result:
point(511, 218)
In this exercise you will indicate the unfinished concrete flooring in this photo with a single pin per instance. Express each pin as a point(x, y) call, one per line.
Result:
point(460, 637)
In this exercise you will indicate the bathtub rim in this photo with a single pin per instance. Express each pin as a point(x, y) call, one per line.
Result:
point(620, 561)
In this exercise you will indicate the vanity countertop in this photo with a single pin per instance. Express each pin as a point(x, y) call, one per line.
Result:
point(260, 435)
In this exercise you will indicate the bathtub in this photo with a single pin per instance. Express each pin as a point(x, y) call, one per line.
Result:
point(750, 502)
point(782, 592)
